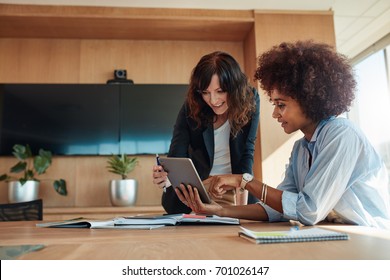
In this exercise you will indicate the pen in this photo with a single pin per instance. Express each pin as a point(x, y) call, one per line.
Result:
point(158, 163)
point(294, 228)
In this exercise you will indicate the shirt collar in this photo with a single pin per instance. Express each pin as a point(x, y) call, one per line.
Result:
point(310, 144)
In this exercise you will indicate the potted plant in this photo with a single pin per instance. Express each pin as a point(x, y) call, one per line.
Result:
point(123, 192)
point(25, 187)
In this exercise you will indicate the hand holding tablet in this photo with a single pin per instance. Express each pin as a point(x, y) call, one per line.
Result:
point(182, 171)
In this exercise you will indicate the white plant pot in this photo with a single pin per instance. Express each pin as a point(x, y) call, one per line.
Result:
point(123, 192)
point(21, 193)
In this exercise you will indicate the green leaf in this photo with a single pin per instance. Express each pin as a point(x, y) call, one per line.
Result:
point(4, 177)
point(22, 181)
point(60, 187)
point(121, 165)
point(45, 154)
point(41, 163)
point(21, 152)
point(19, 167)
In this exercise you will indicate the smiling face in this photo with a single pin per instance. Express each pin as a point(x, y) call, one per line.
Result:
point(215, 97)
point(288, 112)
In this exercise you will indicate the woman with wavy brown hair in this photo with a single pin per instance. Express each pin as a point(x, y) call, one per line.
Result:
point(216, 127)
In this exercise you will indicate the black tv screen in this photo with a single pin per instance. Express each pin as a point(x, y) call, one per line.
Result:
point(89, 119)
point(148, 114)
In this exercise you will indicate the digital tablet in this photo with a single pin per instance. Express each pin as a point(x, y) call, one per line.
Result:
point(182, 171)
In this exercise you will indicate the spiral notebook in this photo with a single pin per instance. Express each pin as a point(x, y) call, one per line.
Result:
point(293, 235)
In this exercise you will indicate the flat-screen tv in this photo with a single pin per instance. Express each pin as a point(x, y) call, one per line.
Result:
point(89, 119)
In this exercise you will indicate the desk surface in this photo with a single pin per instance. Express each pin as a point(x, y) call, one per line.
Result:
point(189, 242)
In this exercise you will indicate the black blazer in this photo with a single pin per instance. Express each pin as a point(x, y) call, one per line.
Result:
point(198, 144)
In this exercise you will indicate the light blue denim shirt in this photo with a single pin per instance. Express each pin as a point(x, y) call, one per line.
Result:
point(346, 175)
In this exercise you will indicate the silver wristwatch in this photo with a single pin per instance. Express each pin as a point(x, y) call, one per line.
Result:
point(246, 178)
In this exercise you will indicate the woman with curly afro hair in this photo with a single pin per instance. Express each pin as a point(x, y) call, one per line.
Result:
point(334, 173)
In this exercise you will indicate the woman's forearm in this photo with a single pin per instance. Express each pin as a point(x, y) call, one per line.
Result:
point(269, 195)
point(249, 212)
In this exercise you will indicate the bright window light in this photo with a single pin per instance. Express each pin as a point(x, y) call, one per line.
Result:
point(371, 109)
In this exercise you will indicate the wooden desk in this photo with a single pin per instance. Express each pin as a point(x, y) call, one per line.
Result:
point(188, 243)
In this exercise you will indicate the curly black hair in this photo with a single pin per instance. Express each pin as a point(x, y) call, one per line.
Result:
point(314, 74)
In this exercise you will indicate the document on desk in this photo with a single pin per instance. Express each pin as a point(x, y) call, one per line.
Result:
point(177, 219)
point(94, 224)
point(293, 235)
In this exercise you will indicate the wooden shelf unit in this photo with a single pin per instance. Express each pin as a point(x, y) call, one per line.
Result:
point(123, 23)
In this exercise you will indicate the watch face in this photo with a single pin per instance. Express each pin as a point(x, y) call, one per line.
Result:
point(247, 177)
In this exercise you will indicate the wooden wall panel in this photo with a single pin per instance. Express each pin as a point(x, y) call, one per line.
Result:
point(94, 61)
point(39, 61)
point(250, 67)
point(272, 28)
point(147, 61)
point(93, 182)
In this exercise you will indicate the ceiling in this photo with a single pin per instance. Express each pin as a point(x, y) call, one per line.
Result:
point(358, 23)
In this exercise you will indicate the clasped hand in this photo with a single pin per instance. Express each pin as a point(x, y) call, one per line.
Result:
point(159, 176)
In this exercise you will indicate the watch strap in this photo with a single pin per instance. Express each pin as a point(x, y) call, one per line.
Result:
point(244, 182)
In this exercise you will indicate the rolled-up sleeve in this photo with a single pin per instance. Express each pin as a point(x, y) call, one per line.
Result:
point(273, 215)
point(289, 202)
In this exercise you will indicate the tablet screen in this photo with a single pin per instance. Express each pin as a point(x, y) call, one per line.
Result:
point(182, 171)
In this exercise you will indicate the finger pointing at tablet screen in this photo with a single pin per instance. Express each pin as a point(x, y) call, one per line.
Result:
point(182, 171)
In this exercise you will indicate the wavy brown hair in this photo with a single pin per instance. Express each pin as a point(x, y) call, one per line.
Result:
point(240, 97)
point(314, 74)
